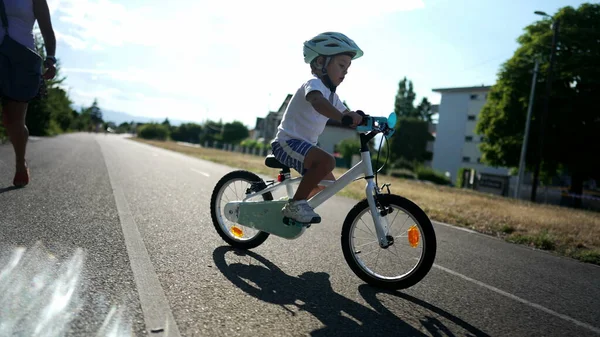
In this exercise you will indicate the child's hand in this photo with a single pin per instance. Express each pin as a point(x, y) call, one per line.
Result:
point(356, 118)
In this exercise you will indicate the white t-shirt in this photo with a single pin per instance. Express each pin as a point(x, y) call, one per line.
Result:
point(20, 22)
point(300, 120)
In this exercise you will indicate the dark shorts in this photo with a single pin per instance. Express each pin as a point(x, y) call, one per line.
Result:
point(291, 153)
point(20, 72)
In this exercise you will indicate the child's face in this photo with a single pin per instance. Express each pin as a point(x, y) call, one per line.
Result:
point(338, 68)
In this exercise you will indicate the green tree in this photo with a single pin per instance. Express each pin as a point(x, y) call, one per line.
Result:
point(211, 131)
point(409, 143)
point(82, 120)
point(234, 132)
point(573, 123)
point(404, 104)
point(187, 132)
point(347, 148)
point(124, 127)
point(95, 112)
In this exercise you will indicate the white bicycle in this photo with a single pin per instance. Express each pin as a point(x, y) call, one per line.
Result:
point(371, 240)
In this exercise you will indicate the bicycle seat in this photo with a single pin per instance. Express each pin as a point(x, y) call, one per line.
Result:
point(270, 161)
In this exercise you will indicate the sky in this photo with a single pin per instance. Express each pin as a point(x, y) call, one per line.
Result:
point(236, 60)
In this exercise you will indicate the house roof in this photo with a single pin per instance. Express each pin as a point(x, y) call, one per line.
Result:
point(463, 89)
point(285, 104)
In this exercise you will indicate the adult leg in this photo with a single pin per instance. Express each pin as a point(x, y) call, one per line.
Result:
point(14, 116)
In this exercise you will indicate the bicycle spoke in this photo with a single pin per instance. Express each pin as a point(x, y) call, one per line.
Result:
point(397, 212)
point(364, 244)
point(368, 227)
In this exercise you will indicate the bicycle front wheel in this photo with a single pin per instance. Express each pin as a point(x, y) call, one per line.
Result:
point(407, 260)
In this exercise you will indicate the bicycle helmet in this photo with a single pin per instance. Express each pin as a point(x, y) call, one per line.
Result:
point(329, 44)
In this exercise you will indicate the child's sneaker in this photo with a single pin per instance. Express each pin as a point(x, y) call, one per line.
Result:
point(300, 211)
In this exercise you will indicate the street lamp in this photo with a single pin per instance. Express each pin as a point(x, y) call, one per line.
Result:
point(526, 136)
point(542, 125)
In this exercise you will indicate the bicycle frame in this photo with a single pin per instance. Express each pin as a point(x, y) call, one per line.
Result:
point(365, 167)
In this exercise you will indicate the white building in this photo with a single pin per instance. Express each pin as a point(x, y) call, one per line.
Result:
point(456, 144)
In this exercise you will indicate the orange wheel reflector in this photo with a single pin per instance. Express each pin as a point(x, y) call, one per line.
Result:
point(237, 232)
point(413, 236)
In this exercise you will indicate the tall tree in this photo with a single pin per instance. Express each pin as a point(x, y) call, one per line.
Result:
point(412, 133)
point(405, 99)
point(572, 130)
point(95, 112)
point(404, 105)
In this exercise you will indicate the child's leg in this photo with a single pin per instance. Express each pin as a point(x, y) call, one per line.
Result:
point(319, 165)
point(318, 189)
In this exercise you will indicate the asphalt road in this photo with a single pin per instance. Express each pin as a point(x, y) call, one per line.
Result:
point(141, 217)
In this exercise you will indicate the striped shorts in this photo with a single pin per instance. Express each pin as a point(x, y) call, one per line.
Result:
point(291, 153)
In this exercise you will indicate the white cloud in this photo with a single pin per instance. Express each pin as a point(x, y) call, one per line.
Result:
point(222, 56)
point(270, 23)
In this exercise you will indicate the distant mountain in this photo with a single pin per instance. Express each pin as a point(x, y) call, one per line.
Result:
point(119, 117)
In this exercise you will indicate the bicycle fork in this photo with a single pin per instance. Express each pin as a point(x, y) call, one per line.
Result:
point(381, 226)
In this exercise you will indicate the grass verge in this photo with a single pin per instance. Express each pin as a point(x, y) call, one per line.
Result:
point(564, 231)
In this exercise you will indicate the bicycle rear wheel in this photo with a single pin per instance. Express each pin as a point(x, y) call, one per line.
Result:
point(232, 187)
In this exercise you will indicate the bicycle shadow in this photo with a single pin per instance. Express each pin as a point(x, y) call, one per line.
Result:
point(432, 324)
point(312, 292)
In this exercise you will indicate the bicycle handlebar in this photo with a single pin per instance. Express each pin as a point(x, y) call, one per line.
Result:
point(369, 123)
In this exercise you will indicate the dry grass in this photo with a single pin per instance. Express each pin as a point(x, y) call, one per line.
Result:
point(569, 232)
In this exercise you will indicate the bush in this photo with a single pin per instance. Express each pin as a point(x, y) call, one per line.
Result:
point(402, 163)
point(429, 174)
point(154, 131)
point(249, 143)
point(54, 128)
point(404, 174)
point(347, 148)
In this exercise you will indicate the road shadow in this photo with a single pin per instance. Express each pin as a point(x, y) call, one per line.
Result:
point(8, 189)
point(432, 324)
point(312, 292)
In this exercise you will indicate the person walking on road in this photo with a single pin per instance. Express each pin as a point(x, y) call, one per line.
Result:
point(21, 70)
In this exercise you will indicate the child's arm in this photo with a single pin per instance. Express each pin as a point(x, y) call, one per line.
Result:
point(323, 106)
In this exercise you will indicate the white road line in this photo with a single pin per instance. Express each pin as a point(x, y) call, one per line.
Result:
point(157, 313)
point(200, 172)
point(518, 299)
point(456, 227)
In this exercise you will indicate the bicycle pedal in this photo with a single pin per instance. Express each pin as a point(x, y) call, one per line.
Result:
point(290, 222)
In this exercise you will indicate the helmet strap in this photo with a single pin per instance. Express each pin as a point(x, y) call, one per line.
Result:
point(326, 78)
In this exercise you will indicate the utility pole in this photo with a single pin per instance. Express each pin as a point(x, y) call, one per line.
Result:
point(544, 115)
point(526, 136)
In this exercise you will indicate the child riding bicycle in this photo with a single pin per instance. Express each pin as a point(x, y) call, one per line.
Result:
point(329, 55)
